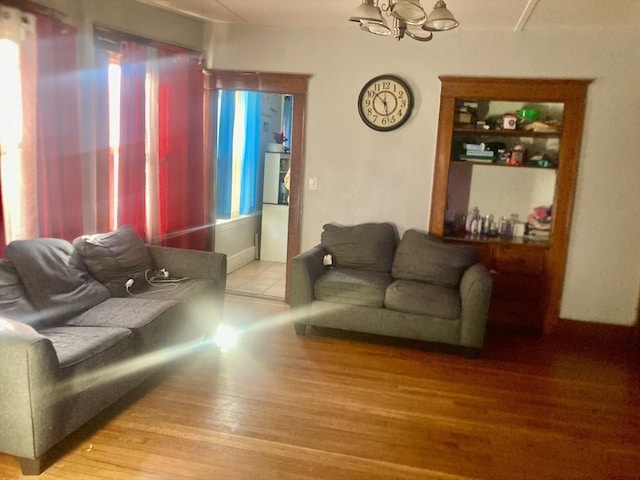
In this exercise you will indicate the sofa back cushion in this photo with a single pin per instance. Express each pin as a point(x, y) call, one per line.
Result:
point(368, 246)
point(115, 257)
point(13, 302)
point(427, 259)
point(54, 283)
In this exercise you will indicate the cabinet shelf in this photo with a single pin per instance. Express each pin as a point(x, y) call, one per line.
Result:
point(499, 164)
point(502, 240)
point(476, 132)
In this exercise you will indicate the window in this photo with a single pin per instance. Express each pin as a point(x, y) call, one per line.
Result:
point(152, 130)
point(239, 153)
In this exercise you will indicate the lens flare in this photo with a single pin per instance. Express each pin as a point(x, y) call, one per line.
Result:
point(225, 337)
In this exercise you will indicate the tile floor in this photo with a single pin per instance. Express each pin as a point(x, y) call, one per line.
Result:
point(259, 278)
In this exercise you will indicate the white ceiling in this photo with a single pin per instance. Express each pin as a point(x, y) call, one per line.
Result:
point(472, 14)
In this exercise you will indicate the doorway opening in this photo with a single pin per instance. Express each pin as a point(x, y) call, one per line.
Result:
point(279, 155)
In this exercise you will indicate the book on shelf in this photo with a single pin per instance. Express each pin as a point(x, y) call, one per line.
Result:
point(474, 158)
point(539, 234)
point(481, 153)
point(476, 147)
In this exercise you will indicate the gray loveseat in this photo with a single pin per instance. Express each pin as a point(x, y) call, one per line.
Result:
point(81, 326)
point(359, 278)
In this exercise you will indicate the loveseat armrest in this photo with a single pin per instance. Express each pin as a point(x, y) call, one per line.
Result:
point(29, 374)
point(475, 296)
point(306, 269)
point(180, 262)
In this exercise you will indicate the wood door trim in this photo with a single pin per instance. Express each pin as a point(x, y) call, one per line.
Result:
point(266, 82)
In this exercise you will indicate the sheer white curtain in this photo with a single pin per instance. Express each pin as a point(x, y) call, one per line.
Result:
point(18, 57)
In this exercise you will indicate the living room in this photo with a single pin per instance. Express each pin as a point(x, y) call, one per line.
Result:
point(367, 176)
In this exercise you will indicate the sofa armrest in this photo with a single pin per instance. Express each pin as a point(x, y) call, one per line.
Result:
point(28, 396)
point(306, 268)
point(475, 296)
point(182, 262)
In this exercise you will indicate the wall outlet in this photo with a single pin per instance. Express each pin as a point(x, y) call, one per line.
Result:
point(313, 183)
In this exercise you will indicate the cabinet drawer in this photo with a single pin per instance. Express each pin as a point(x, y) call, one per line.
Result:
point(517, 287)
point(520, 260)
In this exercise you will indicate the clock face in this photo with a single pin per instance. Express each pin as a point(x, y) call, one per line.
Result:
point(385, 103)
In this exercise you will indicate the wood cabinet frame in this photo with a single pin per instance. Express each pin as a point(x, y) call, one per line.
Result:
point(572, 94)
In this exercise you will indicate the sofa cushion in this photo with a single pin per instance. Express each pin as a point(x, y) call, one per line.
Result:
point(368, 246)
point(52, 281)
point(424, 258)
point(115, 257)
point(423, 299)
point(154, 323)
point(353, 287)
point(83, 349)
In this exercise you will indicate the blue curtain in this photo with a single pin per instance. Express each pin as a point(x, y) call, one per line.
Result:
point(226, 117)
point(287, 118)
point(251, 161)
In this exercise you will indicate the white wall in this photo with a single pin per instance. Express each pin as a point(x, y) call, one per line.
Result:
point(364, 175)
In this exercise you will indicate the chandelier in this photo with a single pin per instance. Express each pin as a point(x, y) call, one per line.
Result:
point(408, 18)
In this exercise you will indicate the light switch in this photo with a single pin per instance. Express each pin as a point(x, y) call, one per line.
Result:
point(313, 183)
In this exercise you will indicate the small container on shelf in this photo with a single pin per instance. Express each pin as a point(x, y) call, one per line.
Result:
point(509, 121)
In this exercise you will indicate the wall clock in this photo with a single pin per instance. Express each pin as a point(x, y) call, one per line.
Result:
point(385, 103)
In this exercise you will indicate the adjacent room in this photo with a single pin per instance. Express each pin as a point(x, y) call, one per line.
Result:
point(337, 239)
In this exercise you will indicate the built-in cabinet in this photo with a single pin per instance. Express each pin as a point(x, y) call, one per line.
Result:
point(507, 151)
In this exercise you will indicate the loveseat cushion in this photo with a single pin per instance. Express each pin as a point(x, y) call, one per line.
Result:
point(53, 281)
point(367, 246)
point(353, 287)
point(427, 259)
point(422, 298)
point(115, 257)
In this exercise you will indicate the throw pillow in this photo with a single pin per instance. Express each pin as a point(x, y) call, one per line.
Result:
point(13, 326)
point(115, 257)
point(427, 259)
point(51, 280)
point(368, 246)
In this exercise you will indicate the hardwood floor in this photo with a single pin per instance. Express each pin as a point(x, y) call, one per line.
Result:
point(330, 406)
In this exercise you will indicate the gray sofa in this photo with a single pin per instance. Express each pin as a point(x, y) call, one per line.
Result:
point(81, 326)
point(361, 279)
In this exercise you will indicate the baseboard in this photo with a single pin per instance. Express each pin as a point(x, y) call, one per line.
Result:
point(599, 332)
point(240, 259)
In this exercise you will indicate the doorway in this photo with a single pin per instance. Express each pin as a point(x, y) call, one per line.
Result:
point(293, 85)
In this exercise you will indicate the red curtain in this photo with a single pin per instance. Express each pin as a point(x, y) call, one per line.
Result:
point(131, 164)
point(59, 157)
point(182, 184)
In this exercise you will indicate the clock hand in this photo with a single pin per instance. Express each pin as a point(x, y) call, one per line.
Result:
point(384, 103)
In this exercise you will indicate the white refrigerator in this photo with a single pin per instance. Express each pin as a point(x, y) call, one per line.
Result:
point(275, 209)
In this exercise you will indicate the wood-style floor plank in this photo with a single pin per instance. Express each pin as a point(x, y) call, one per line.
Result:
point(335, 406)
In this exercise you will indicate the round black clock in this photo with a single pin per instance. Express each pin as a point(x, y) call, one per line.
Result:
point(385, 103)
